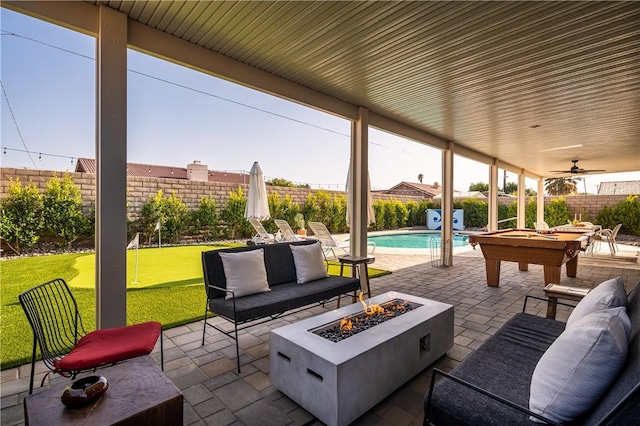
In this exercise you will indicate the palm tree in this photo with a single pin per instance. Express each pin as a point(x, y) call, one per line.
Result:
point(560, 186)
point(420, 177)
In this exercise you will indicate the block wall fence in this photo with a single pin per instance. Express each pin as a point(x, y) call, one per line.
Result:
point(140, 188)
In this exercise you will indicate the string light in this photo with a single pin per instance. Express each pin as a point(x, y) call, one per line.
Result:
point(40, 153)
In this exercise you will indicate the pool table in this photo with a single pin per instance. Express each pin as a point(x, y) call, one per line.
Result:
point(527, 246)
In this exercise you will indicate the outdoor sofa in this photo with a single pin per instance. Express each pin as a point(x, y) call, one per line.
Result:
point(576, 373)
point(277, 282)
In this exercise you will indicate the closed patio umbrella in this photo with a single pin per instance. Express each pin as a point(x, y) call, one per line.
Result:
point(370, 212)
point(257, 203)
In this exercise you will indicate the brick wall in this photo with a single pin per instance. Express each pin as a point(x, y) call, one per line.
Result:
point(587, 205)
point(140, 188)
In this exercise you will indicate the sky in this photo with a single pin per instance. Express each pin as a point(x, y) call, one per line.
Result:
point(176, 116)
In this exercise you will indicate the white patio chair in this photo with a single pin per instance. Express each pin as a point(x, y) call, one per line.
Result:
point(541, 226)
point(606, 236)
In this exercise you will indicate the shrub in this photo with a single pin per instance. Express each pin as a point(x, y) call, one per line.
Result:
point(283, 208)
point(21, 216)
point(531, 213)
point(505, 212)
point(401, 213)
point(414, 216)
point(389, 218)
point(626, 212)
point(476, 213)
point(328, 209)
point(62, 210)
point(204, 219)
point(557, 212)
point(170, 211)
point(236, 226)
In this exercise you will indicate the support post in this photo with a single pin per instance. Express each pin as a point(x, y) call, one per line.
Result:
point(359, 167)
point(493, 197)
point(111, 169)
point(447, 206)
point(522, 201)
point(540, 201)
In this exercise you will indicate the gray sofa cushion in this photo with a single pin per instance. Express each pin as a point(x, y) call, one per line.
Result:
point(607, 294)
point(245, 272)
point(286, 297)
point(580, 365)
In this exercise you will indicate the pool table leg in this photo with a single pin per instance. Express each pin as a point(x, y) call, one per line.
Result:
point(493, 272)
point(572, 267)
point(551, 274)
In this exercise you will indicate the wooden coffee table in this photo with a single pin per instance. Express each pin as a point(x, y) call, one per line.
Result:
point(139, 394)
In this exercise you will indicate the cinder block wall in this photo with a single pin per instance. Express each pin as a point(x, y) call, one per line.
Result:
point(587, 205)
point(140, 188)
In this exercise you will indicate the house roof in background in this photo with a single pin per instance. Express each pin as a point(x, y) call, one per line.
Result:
point(410, 187)
point(88, 165)
point(617, 188)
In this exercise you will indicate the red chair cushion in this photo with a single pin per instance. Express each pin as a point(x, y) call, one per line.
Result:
point(111, 345)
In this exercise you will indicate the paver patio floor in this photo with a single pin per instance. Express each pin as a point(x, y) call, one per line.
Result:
point(216, 395)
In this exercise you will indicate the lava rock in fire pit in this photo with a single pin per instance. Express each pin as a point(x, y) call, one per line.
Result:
point(374, 315)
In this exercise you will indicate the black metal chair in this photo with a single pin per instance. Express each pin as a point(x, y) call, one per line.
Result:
point(65, 346)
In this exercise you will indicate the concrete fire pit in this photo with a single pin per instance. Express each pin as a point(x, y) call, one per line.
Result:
point(339, 381)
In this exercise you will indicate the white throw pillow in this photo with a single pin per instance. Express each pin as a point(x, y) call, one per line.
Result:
point(309, 262)
point(577, 369)
point(245, 272)
point(608, 294)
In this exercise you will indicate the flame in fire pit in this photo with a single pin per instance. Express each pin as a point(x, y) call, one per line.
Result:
point(371, 309)
point(346, 324)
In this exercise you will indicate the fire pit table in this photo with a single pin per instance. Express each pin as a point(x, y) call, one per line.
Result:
point(338, 381)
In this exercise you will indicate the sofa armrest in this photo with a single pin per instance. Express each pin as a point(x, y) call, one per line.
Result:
point(483, 392)
point(233, 298)
point(215, 287)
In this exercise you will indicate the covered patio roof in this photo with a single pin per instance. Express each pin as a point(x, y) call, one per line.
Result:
point(555, 80)
point(524, 86)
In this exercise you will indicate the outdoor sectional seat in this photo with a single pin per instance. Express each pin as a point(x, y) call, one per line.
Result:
point(504, 365)
point(285, 293)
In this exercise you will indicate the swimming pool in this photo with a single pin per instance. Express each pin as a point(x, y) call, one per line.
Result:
point(415, 240)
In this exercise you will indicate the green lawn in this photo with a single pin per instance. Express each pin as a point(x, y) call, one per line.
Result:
point(169, 289)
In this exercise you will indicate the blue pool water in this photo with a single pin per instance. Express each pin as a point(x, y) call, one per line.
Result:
point(415, 240)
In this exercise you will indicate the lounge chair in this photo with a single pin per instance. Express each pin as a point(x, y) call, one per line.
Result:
point(330, 244)
point(286, 231)
point(262, 236)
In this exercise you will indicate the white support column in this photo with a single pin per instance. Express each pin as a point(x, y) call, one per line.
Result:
point(447, 206)
point(358, 183)
point(111, 169)
point(522, 201)
point(540, 201)
point(493, 197)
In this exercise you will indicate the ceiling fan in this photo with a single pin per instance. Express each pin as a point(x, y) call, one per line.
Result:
point(577, 170)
